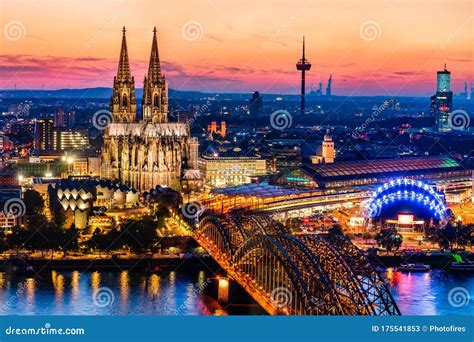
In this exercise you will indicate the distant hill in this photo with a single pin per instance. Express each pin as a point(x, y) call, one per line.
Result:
point(105, 93)
point(95, 93)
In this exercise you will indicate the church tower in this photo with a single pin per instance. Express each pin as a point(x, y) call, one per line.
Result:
point(123, 104)
point(155, 89)
point(328, 153)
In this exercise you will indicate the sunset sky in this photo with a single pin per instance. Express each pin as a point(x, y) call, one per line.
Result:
point(375, 47)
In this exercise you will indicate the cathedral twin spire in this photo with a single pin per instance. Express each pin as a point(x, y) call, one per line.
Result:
point(123, 73)
point(155, 89)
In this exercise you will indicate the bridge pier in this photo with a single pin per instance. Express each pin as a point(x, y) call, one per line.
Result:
point(223, 289)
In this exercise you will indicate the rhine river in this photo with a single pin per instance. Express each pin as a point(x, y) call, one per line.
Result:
point(184, 293)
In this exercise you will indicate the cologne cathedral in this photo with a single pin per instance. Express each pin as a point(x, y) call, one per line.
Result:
point(147, 152)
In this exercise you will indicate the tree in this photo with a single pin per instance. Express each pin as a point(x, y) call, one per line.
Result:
point(336, 230)
point(17, 238)
point(3, 243)
point(140, 235)
point(98, 241)
point(366, 236)
point(389, 239)
point(451, 235)
point(34, 203)
point(36, 239)
point(59, 218)
point(70, 239)
point(161, 215)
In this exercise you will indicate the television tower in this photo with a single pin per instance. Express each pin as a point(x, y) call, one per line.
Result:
point(303, 65)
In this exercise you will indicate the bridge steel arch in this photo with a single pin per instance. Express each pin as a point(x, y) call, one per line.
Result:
point(295, 274)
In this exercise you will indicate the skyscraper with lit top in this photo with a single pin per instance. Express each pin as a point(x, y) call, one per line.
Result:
point(442, 101)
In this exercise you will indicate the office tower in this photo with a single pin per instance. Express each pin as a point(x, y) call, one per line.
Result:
point(442, 101)
point(43, 134)
point(255, 104)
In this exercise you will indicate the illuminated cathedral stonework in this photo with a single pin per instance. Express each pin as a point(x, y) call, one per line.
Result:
point(151, 151)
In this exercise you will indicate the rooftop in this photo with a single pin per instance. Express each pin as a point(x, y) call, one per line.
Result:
point(369, 167)
point(258, 190)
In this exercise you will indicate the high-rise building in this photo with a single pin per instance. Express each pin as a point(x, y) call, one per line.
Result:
point(64, 119)
point(59, 120)
point(149, 152)
point(43, 136)
point(443, 80)
point(193, 152)
point(442, 101)
point(255, 104)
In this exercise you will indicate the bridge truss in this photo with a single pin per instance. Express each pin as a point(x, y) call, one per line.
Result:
point(294, 274)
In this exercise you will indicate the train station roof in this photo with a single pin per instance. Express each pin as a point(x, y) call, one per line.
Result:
point(365, 168)
point(258, 190)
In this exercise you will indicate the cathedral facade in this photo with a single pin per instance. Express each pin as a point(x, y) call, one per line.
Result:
point(150, 151)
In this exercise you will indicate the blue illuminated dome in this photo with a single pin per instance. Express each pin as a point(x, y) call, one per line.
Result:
point(407, 196)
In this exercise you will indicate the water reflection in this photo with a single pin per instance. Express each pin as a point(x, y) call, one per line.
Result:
point(427, 293)
point(133, 293)
point(186, 293)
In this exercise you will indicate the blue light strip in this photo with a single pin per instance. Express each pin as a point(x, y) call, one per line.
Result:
point(397, 190)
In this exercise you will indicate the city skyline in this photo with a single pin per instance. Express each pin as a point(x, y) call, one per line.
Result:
point(371, 54)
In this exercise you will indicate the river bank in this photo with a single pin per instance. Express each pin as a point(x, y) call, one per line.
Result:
point(149, 264)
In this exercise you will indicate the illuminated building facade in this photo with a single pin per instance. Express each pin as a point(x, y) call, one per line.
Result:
point(151, 151)
point(442, 101)
point(226, 171)
point(76, 197)
point(43, 136)
point(64, 139)
point(221, 129)
point(407, 203)
point(339, 183)
point(327, 151)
